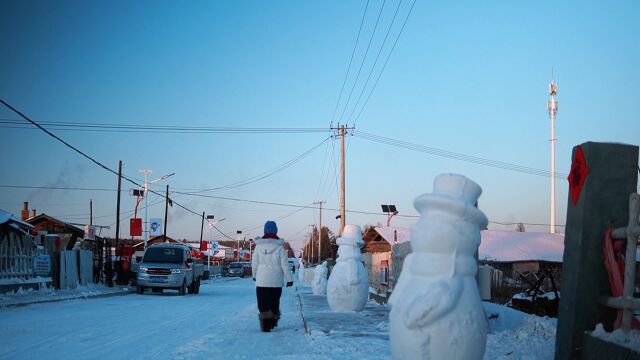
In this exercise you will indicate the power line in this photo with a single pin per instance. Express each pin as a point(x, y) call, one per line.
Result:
point(112, 127)
point(385, 62)
point(350, 62)
point(364, 58)
point(57, 188)
point(376, 60)
point(267, 173)
point(89, 157)
point(456, 156)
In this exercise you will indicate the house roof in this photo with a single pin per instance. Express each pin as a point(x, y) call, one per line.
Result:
point(509, 246)
point(403, 234)
point(44, 217)
point(14, 221)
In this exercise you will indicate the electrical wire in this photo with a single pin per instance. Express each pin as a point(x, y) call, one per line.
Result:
point(386, 36)
point(364, 58)
point(355, 46)
point(385, 62)
point(172, 129)
point(457, 156)
point(268, 173)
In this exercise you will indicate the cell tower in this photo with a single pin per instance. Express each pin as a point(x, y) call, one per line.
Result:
point(552, 107)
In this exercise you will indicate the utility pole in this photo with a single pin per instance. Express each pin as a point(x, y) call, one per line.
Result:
point(202, 229)
point(146, 206)
point(166, 210)
point(552, 107)
point(342, 131)
point(320, 232)
point(90, 212)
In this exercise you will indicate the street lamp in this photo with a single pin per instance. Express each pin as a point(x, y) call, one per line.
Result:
point(391, 211)
point(209, 249)
point(146, 172)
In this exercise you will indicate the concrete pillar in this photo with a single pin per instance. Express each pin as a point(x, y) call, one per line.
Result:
point(603, 201)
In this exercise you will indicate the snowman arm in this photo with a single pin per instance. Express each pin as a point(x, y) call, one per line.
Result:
point(437, 300)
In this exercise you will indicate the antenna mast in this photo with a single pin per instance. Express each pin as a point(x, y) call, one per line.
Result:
point(552, 108)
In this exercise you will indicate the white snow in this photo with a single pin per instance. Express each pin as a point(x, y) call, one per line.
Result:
point(31, 296)
point(520, 246)
point(630, 340)
point(221, 323)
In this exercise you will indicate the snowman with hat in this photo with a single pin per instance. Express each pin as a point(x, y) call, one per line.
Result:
point(436, 311)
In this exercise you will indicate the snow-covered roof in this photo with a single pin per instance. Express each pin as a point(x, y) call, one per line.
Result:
point(404, 234)
point(520, 246)
point(7, 216)
point(15, 222)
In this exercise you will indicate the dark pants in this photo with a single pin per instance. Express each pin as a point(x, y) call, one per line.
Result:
point(268, 298)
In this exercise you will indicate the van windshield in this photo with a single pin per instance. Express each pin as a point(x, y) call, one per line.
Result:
point(235, 265)
point(164, 255)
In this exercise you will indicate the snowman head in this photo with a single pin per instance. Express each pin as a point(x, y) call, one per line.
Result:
point(450, 220)
point(351, 235)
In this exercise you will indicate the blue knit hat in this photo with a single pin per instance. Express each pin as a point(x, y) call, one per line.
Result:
point(270, 227)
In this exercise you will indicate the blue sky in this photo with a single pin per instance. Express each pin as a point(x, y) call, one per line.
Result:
point(469, 77)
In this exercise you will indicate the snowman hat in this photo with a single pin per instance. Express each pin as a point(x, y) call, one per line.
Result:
point(350, 234)
point(455, 194)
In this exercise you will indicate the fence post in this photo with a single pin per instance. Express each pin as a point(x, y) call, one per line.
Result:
point(602, 177)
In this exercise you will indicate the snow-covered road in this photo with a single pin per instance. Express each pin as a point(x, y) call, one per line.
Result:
point(219, 323)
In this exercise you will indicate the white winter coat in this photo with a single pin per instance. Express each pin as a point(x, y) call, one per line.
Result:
point(269, 263)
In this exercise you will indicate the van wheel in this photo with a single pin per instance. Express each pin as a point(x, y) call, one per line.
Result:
point(198, 286)
point(140, 290)
point(183, 289)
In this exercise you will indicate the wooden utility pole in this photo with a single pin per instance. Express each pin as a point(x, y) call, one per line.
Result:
point(201, 229)
point(320, 232)
point(118, 204)
point(90, 212)
point(342, 131)
point(342, 187)
point(166, 211)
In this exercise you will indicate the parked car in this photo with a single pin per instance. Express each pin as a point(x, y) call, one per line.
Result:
point(235, 269)
point(169, 266)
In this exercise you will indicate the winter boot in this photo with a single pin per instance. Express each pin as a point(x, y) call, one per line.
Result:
point(276, 318)
point(265, 321)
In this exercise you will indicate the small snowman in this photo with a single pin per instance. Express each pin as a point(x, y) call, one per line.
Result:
point(436, 311)
point(348, 286)
point(319, 283)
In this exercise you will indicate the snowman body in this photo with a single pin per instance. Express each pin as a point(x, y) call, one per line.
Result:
point(348, 286)
point(436, 311)
point(319, 283)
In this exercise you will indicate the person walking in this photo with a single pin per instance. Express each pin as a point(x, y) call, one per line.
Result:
point(270, 270)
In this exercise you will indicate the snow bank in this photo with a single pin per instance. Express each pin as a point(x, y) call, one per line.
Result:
point(630, 341)
point(533, 339)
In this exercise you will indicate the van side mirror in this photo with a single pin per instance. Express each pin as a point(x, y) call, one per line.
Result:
point(189, 260)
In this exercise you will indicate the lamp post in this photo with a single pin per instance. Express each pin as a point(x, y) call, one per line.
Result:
point(146, 172)
point(209, 248)
point(238, 235)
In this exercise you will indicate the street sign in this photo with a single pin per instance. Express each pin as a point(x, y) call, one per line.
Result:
point(155, 227)
point(135, 227)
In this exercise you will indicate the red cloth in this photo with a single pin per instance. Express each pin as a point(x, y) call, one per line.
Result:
point(270, 236)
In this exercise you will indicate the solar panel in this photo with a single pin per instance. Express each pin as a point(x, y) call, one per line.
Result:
point(385, 208)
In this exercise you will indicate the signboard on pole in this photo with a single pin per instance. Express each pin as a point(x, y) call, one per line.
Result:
point(135, 227)
point(155, 227)
point(89, 232)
